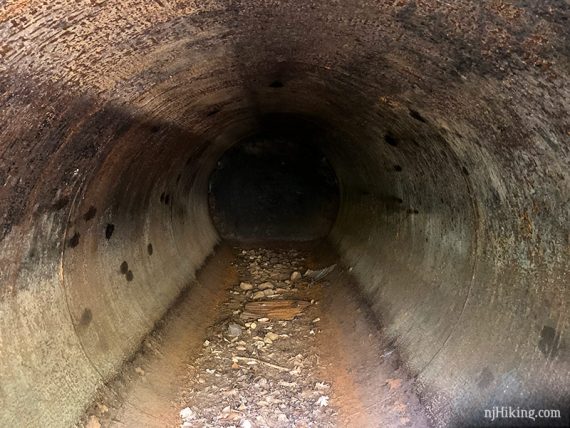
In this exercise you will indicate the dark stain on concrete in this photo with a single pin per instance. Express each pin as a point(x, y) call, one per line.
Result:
point(395, 199)
point(549, 341)
point(124, 268)
point(32, 254)
point(109, 229)
point(390, 139)
point(90, 214)
point(86, 317)
point(60, 203)
point(416, 115)
point(485, 378)
point(74, 240)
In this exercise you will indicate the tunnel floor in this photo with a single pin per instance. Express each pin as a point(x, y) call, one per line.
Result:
point(270, 336)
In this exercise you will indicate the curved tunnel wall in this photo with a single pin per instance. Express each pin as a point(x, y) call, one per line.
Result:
point(446, 124)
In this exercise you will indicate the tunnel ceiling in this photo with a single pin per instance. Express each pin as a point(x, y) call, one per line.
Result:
point(446, 124)
point(470, 71)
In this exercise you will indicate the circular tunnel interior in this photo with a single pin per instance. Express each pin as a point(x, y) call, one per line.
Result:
point(426, 141)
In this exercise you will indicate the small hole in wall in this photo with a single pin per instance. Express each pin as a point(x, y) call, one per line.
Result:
point(149, 249)
point(276, 84)
point(124, 268)
point(109, 229)
point(417, 116)
point(86, 317)
point(397, 168)
point(74, 241)
point(390, 139)
point(90, 214)
point(60, 203)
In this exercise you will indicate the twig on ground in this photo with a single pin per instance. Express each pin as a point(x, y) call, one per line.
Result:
point(275, 366)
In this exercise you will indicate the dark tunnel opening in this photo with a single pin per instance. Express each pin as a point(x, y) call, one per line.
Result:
point(275, 185)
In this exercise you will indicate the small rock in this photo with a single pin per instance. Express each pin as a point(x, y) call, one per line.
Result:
point(265, 286)
point(93, 422)
point(268, 292)
point(245, 286)
point(296, 276)
point(394, 383)
point(187, 414)
point(246, 424)
point(272, 336)
point(323, 401)
point(139, 371)
point(258, 295)
point(234, 330)
point(253, 326)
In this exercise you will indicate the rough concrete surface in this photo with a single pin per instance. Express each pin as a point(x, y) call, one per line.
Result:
point(446, 123)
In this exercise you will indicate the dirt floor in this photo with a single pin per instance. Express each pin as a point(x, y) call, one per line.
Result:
point(273, 336)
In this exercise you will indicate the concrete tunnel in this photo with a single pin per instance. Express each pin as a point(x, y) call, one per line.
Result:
point(445, 126)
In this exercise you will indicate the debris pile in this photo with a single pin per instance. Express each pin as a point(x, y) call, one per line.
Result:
point(259, 366)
